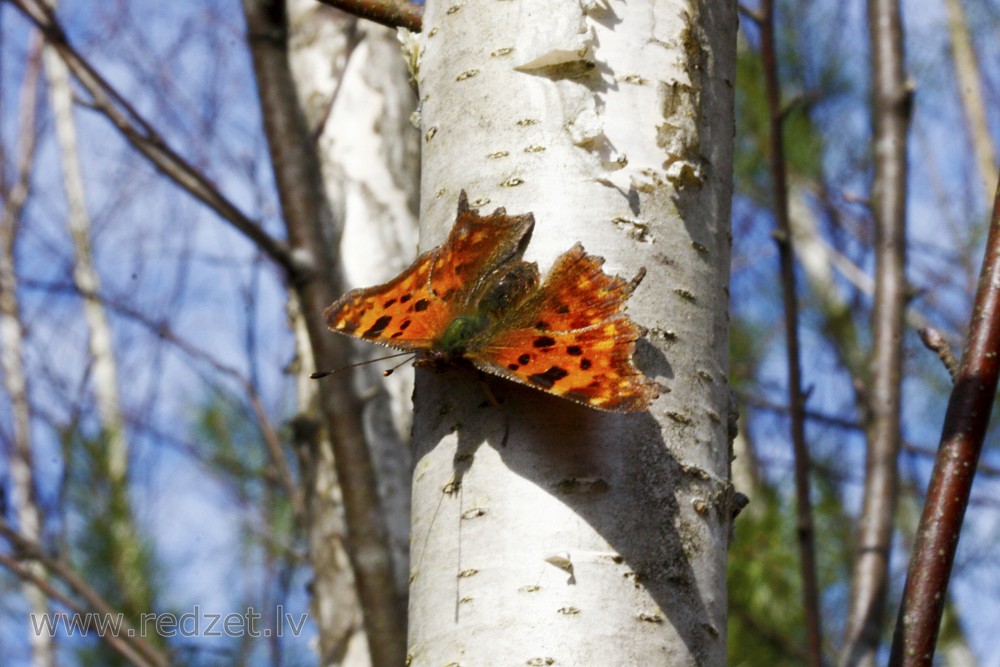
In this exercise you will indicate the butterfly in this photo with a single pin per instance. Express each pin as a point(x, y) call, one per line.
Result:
point(473, 299)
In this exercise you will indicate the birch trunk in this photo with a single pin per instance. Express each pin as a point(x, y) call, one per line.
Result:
point(23, 494)
point(349, 73)
point(126, 548)
point(545, 532)
point(84, 274)
point(969, 80)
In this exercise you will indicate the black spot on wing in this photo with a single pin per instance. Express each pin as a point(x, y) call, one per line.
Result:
point(547, 379)
point(574, 350)
point(377, 327)
point(421, 305)
point(584, 364)
point(404, 325)
point(513, 367)
point(524, 359)
point(544, 341)
point(388, 303)
point(405, 298)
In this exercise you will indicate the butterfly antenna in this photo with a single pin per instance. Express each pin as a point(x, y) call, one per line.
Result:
point(322, 374)
point(391, 370)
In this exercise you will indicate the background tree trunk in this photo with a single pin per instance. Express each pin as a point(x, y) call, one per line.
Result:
point(23, 492)
point(350, 73)
point(583, 537)
point(314, 232)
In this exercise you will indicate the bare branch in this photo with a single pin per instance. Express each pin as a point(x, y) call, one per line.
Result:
point(118, 644)
point(797, 400)
point(965, 425)
point(147, 141)
point(750, 13)
point(135, 648)
point(392, 13)
point(270, 436)
point(935, 342)
point(313, 232)
point(890, 119)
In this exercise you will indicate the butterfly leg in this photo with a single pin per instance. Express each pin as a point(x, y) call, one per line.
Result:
point(491, 397)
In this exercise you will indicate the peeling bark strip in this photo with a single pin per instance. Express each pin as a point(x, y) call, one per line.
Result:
point(612, 123)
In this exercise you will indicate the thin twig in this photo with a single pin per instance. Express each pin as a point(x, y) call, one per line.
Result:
point(962, 436)
point(141, 134)
point(783, 236)
point(309, 223)
point(111, 639)
point(392, 13)
point(270, 436)
point(935, 342)
point(928, 452)
point(750, 13)
point(923, 451)
point(141, 651)
point(890, 124)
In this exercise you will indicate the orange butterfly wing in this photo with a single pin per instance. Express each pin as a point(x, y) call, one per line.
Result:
point(412, 311)
point(570, 338)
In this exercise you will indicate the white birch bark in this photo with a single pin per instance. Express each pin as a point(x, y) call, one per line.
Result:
point(23, 495)
point(126, 558)
point(334, 604)
point(353, 85)
point(970, 91)
point(104, 373)
point(581, 538)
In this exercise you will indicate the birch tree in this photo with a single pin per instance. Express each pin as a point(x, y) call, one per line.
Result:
point(20, 459)
point(115, 512)
point(544, 532)
point(349, 73)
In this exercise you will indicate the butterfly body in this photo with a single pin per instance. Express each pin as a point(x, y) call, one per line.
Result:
point(474, 299)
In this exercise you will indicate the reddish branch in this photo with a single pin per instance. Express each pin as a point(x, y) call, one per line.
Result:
point(797, 401)
point(890, 123)
point(951, 480)
point(312, 234)
point(393, 13)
